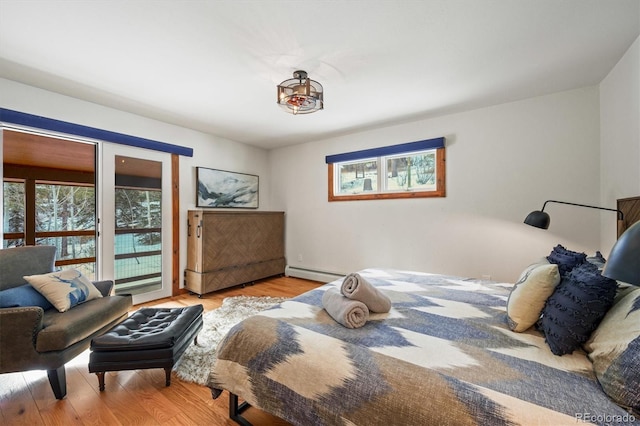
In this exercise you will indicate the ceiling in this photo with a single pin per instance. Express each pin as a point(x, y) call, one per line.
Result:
point(213, 66)
point(30, 150)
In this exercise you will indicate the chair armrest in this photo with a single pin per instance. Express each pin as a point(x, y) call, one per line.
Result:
point(105, 287)
point(20, 327)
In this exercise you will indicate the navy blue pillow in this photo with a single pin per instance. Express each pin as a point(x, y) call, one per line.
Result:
point(576, 307)
point(565, 259)
point(24, 295)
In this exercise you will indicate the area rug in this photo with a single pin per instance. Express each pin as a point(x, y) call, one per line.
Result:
point(197, 360)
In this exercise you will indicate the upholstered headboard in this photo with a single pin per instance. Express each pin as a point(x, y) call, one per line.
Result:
point(630, 208)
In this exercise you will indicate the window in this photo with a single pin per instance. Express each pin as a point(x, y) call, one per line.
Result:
point(138, 239)
point(13, 208)
point(64, 217)
point(49, 197)
point(399, 171)
point(356, 177)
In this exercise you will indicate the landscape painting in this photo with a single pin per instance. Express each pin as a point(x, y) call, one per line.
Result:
point(223, 189)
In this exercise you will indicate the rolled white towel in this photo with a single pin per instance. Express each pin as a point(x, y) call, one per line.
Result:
point(356, 287)
point(349, 313)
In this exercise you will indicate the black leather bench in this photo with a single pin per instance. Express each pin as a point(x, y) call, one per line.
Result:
point(149, 338)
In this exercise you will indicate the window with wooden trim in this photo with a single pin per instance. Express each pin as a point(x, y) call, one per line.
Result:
point(412, 170)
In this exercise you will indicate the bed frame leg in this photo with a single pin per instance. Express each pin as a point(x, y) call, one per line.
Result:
point(235, 410)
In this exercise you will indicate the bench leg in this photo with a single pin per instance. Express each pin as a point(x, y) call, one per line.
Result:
point(100, 375)
point(167, 373)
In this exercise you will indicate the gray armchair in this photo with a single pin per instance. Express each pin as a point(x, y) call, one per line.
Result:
point(32, 338)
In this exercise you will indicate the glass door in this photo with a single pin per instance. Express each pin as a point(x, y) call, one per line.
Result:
point(136, 221)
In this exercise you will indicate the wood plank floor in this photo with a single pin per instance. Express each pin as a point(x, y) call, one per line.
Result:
point(134, 397)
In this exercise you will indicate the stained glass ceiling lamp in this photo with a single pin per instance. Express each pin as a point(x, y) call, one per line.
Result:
point(300, 94)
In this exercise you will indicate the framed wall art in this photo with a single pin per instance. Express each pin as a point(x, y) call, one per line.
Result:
point(223, 189)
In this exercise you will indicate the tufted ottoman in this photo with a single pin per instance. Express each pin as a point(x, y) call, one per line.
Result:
point(149, 338)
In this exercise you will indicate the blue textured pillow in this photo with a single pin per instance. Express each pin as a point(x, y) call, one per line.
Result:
point(575, 308)
point(24, 295)
point(565, 259)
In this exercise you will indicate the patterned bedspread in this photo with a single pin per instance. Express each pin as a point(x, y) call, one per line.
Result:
point(443, 355)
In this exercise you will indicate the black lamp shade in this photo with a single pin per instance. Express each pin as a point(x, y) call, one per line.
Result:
point(539, 219)
point(624, 261)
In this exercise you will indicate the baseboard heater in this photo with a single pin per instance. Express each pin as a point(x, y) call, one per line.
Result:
point(310, 274)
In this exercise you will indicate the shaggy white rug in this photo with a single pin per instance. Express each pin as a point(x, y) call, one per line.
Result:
point(197, 360)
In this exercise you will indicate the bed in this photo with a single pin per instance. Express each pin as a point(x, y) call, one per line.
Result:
point(445, 354)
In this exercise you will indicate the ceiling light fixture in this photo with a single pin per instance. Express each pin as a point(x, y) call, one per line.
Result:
point(300, 95)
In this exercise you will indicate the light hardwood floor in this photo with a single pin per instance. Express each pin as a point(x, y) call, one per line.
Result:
point(134, 397)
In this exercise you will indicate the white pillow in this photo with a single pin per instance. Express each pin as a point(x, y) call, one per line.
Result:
point(529, 294)
point(64, 289)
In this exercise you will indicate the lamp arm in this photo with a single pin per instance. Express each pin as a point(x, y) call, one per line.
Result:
point(620, 215)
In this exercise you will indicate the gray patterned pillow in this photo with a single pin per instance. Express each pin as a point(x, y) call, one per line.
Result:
point(614, 348)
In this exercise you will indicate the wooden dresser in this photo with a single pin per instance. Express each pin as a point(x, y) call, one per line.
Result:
point(225, 249)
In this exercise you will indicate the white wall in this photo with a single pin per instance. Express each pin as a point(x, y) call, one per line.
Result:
point(208, 151)
point(620, 132)
point(502, 163)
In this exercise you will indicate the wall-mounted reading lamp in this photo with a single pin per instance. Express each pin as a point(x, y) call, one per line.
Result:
point(624, 260)
point(540, 219)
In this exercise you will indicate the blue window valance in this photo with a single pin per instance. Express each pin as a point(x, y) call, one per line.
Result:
point(44, 123)
point(387, 150)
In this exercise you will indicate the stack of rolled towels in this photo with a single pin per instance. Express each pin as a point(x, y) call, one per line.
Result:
point(357, 297)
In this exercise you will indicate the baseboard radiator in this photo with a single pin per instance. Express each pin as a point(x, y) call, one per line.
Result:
point(310, 274)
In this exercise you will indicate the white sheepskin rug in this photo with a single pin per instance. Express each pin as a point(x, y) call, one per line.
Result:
point(197, 360)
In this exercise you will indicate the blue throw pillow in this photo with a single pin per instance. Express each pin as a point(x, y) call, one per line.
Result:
point(576, 307)
point(24, 295)
point(565, 259)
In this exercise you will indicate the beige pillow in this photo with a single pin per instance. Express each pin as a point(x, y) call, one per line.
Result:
point(64, 289)
point(529, 294)
point(614, 348)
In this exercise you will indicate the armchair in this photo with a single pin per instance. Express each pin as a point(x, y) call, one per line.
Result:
point(32, 338)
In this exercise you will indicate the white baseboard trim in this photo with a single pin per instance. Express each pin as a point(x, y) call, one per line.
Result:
point(310, 274)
